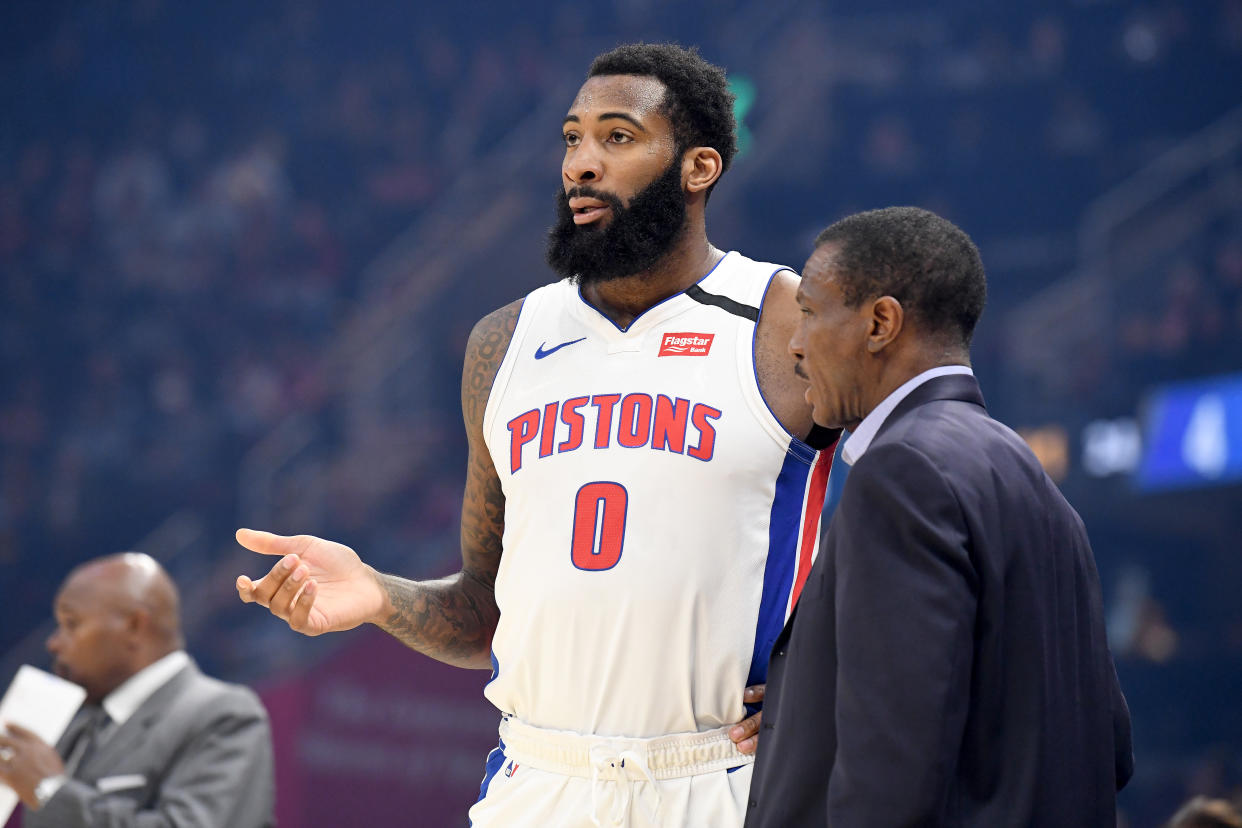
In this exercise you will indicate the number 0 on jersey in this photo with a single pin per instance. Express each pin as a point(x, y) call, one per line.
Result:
point(599, 525)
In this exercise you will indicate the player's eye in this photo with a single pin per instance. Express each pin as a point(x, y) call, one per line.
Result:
point(619, 137)
point(571, 139)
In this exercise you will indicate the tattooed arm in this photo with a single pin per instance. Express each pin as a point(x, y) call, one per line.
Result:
point(319, 586)
point(453, 619)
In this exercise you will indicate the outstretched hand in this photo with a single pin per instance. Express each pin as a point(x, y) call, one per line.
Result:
point(745, 734)
point(317, 586)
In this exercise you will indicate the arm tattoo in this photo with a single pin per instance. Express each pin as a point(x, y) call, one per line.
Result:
point(453, 619)
point(446, 619)
point(486, 350)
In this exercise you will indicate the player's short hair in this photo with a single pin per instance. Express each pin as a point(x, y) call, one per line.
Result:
point(923, 261)
point(697, 101)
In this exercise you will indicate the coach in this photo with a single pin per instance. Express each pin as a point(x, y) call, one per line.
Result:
point(946, 664)
point(158, 744)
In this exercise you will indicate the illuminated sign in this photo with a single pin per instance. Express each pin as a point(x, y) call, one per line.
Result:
point(1111, 447)
point(1192, 434)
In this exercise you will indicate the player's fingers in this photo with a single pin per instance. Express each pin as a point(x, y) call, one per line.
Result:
point(281, 603)
point(754, 693)
point(303, 603)
point(265, 543)
point(746, 728)
point(748, 745)
point(245, 589)
point(266, 588)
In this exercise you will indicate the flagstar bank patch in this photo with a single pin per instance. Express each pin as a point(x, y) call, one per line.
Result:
point(686, 344)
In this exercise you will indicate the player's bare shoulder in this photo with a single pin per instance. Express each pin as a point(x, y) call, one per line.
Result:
point(484, 352)
point(784, 390)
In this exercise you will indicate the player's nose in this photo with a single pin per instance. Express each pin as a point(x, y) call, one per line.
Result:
point(584, 164)
point(795, 343)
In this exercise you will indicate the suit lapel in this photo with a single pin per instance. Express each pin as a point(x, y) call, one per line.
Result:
point(962, 387)
point(81, 721)
point(126, 737)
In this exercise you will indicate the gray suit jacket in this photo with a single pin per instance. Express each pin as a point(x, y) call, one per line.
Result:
point(198, 752)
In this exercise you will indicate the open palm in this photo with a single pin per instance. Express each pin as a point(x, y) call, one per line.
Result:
point(317, 586)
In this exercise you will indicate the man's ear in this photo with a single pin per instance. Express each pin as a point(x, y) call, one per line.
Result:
point(701, 167)
point(887, 320)
point(137, 622)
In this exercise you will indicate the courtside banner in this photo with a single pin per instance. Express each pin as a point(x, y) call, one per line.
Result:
point(379, 735)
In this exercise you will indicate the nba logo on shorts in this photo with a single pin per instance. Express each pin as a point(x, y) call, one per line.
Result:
point(686, 344)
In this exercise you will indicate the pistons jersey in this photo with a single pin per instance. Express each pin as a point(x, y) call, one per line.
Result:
point(659, 520)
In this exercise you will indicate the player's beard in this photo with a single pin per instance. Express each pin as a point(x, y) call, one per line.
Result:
point(633, 240)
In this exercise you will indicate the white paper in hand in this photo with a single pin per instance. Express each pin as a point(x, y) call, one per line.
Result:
point(43, 704)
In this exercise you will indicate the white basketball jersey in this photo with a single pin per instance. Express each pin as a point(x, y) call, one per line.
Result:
point(659, 520)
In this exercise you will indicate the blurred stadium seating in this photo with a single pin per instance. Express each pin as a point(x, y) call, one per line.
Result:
point(242, 246)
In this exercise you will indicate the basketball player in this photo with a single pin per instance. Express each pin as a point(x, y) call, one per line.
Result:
point(643, 489)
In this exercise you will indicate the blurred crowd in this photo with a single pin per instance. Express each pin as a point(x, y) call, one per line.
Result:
point(1011, 119)
point(1182, 317)
point(184, 217)
point(191, 198)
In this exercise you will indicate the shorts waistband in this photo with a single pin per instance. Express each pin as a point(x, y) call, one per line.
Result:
point(604, 757)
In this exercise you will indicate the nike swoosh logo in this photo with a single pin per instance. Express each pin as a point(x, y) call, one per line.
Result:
point(540, 353)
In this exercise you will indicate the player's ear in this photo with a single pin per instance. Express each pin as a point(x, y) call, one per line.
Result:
point(887, 320)
point(700, 168)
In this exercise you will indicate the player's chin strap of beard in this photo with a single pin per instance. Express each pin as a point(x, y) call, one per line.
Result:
point(623, 763)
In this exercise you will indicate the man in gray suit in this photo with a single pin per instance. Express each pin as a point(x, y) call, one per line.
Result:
point(157, 743)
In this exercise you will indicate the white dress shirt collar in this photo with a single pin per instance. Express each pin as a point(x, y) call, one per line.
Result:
point(861, 437)
point(125, 700)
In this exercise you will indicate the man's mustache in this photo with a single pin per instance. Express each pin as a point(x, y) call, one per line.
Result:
point(587, 191)
point(800, 371)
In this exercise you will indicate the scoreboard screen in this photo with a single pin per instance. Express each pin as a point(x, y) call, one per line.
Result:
point(1192, 435)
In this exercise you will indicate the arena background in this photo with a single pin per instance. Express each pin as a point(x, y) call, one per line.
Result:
point(242, 246)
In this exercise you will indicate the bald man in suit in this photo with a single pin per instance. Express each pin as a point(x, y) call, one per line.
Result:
point(157, 743)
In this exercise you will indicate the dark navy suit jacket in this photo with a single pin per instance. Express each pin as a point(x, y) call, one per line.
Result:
point(946, 664)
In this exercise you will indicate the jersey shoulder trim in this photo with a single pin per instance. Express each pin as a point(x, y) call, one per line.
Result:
point(724, 302)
